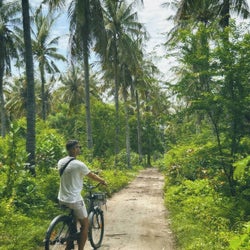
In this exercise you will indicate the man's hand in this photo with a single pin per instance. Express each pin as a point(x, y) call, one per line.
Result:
point(103, 183)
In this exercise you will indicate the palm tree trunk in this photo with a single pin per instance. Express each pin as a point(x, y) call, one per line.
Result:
point(127, 130)
point(225, 14)
point(87, 98)
point(43, 93)
point(2, 104)
point(138, 126)
point(117, 128)
point(30, 104)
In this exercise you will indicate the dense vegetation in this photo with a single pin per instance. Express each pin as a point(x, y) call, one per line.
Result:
point(194, 128)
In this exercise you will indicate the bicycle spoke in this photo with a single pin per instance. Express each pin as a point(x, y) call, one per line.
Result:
point(58, 237)
point(96, 229)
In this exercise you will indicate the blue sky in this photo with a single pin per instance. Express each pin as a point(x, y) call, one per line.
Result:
point(151, 14)
point(154, 17)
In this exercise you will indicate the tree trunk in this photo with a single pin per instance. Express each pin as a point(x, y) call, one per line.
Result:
point(87, 98)
point(2, 103)
point(127, 131)
point(117, 128)
point(225, 13)
point(30, 104)
point(138, 116)
point(44, 111)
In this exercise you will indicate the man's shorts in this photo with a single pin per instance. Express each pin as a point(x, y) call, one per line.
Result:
point(79, 208)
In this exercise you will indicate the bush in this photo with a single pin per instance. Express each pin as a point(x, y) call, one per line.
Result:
point(197, 213)
point(242, 238)
point(49, 149)
point(19, 231)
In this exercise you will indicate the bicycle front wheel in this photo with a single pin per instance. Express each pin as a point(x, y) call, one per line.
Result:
point(96, 228)
point(58, 235)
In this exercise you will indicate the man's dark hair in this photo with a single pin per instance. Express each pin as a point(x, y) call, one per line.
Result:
point(70, 144)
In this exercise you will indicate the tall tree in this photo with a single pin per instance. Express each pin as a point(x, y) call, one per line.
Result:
point(199, 78)
point(45, 51)
point(16, 97)
point(208, 10)
point(30, 105)
point(240, 7)
point(122, 28)
point(86, 26)
point(72, 88)
point(9, 17)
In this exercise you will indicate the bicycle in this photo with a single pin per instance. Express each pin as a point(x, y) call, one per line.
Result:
point(63, 233)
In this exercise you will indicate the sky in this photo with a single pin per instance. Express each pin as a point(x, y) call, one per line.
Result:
point(153, 16)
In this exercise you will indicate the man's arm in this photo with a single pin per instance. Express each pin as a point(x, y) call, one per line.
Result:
point(96, 178)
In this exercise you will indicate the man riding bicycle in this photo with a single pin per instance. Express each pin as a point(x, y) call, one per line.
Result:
point(72, 172)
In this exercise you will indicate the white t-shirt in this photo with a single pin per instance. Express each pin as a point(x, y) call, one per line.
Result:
point(71, 182)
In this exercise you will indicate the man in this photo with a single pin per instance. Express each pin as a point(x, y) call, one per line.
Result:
point(71, 185)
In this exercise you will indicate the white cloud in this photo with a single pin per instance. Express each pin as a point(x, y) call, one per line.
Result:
point(154, 17)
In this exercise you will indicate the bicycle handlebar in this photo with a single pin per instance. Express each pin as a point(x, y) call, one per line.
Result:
point(91, 187)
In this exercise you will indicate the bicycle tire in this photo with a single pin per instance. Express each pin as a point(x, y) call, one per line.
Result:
point(58, 235)
point(96, 228)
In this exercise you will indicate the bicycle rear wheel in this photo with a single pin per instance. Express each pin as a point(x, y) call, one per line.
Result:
point(59, 234)
point(96, 228)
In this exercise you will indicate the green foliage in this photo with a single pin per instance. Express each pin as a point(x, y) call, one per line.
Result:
point(241, 240)
point(67, 123)
point(19, 231)
point(103, 121)
point(27, 196)
point(33, 204)
point(203, 216)
point(198, 215)
point(191, 161)
point(121, 159)
point(50, 147)
point(242, 168)
point(13, 157)
point(151, 136)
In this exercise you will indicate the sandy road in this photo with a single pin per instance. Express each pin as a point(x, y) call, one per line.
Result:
point(136, 218)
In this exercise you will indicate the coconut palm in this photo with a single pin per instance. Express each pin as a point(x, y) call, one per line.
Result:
point(240, 7)
point(45, 51)
point(31, 106)
point(72, 88)
point(8, 23)
point(16, 91)
point(122, 28)
point(86, 25)
point(209, 10)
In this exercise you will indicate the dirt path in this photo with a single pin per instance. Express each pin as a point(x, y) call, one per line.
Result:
point(136, 218)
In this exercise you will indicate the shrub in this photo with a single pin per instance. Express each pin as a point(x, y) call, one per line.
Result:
point(242, 238)
point(198, 215)
point(50, 148)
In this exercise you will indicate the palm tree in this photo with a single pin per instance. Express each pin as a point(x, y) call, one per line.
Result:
point(16, 97)
point(45, 51)
point(240, 7)
point(72, 88)
point(8, 13)
point(86, 25)
point(208, 10)
point(122, 28)
point(31, 105)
